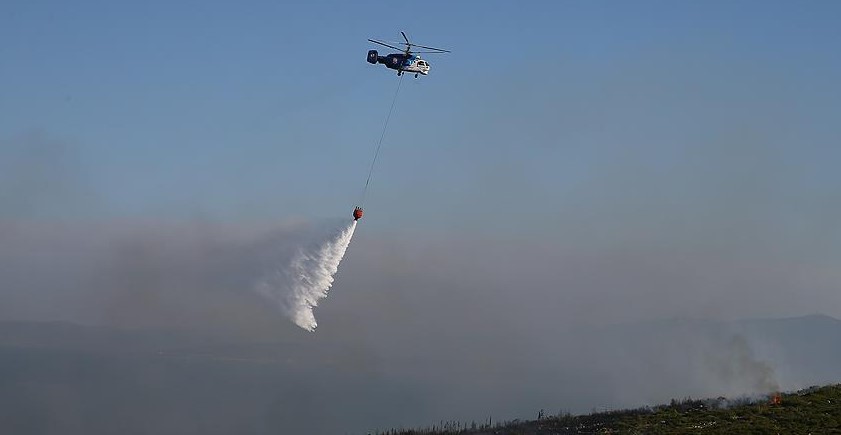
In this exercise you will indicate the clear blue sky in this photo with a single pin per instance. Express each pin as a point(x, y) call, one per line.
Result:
point(268, 110)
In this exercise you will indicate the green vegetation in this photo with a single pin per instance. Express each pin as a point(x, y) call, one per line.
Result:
point(814, 410)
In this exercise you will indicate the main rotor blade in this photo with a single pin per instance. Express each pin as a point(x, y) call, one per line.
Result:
point(383, 43)
point(430, 52)
point(404, 37)
point(440, 50)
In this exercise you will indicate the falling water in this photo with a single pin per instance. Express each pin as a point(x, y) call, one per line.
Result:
point(299, 283)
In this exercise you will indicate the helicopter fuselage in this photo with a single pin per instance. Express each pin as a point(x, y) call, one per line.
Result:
point(401, 62)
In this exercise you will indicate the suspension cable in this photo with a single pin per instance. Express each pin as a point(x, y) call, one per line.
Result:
point(380, 143)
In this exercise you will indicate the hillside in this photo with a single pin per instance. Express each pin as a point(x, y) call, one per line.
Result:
point(813, 410)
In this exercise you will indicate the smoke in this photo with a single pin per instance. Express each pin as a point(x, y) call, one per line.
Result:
point(298, 284)
point(738, 366)
point(190, 276)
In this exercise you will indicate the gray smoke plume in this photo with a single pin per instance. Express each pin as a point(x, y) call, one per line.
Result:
point(737, 365)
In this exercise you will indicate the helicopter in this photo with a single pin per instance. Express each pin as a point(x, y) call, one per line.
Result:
point(407, 61)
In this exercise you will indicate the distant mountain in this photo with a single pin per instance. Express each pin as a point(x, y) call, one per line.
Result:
point(65, 336)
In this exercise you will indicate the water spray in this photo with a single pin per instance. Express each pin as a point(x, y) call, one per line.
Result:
point(298, 285)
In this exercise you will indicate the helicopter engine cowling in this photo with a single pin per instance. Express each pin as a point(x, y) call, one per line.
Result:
point(373, 56)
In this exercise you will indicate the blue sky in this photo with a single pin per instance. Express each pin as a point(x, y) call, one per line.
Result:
point(268, 110)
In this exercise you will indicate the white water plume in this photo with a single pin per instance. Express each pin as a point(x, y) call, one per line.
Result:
point(302, 280)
